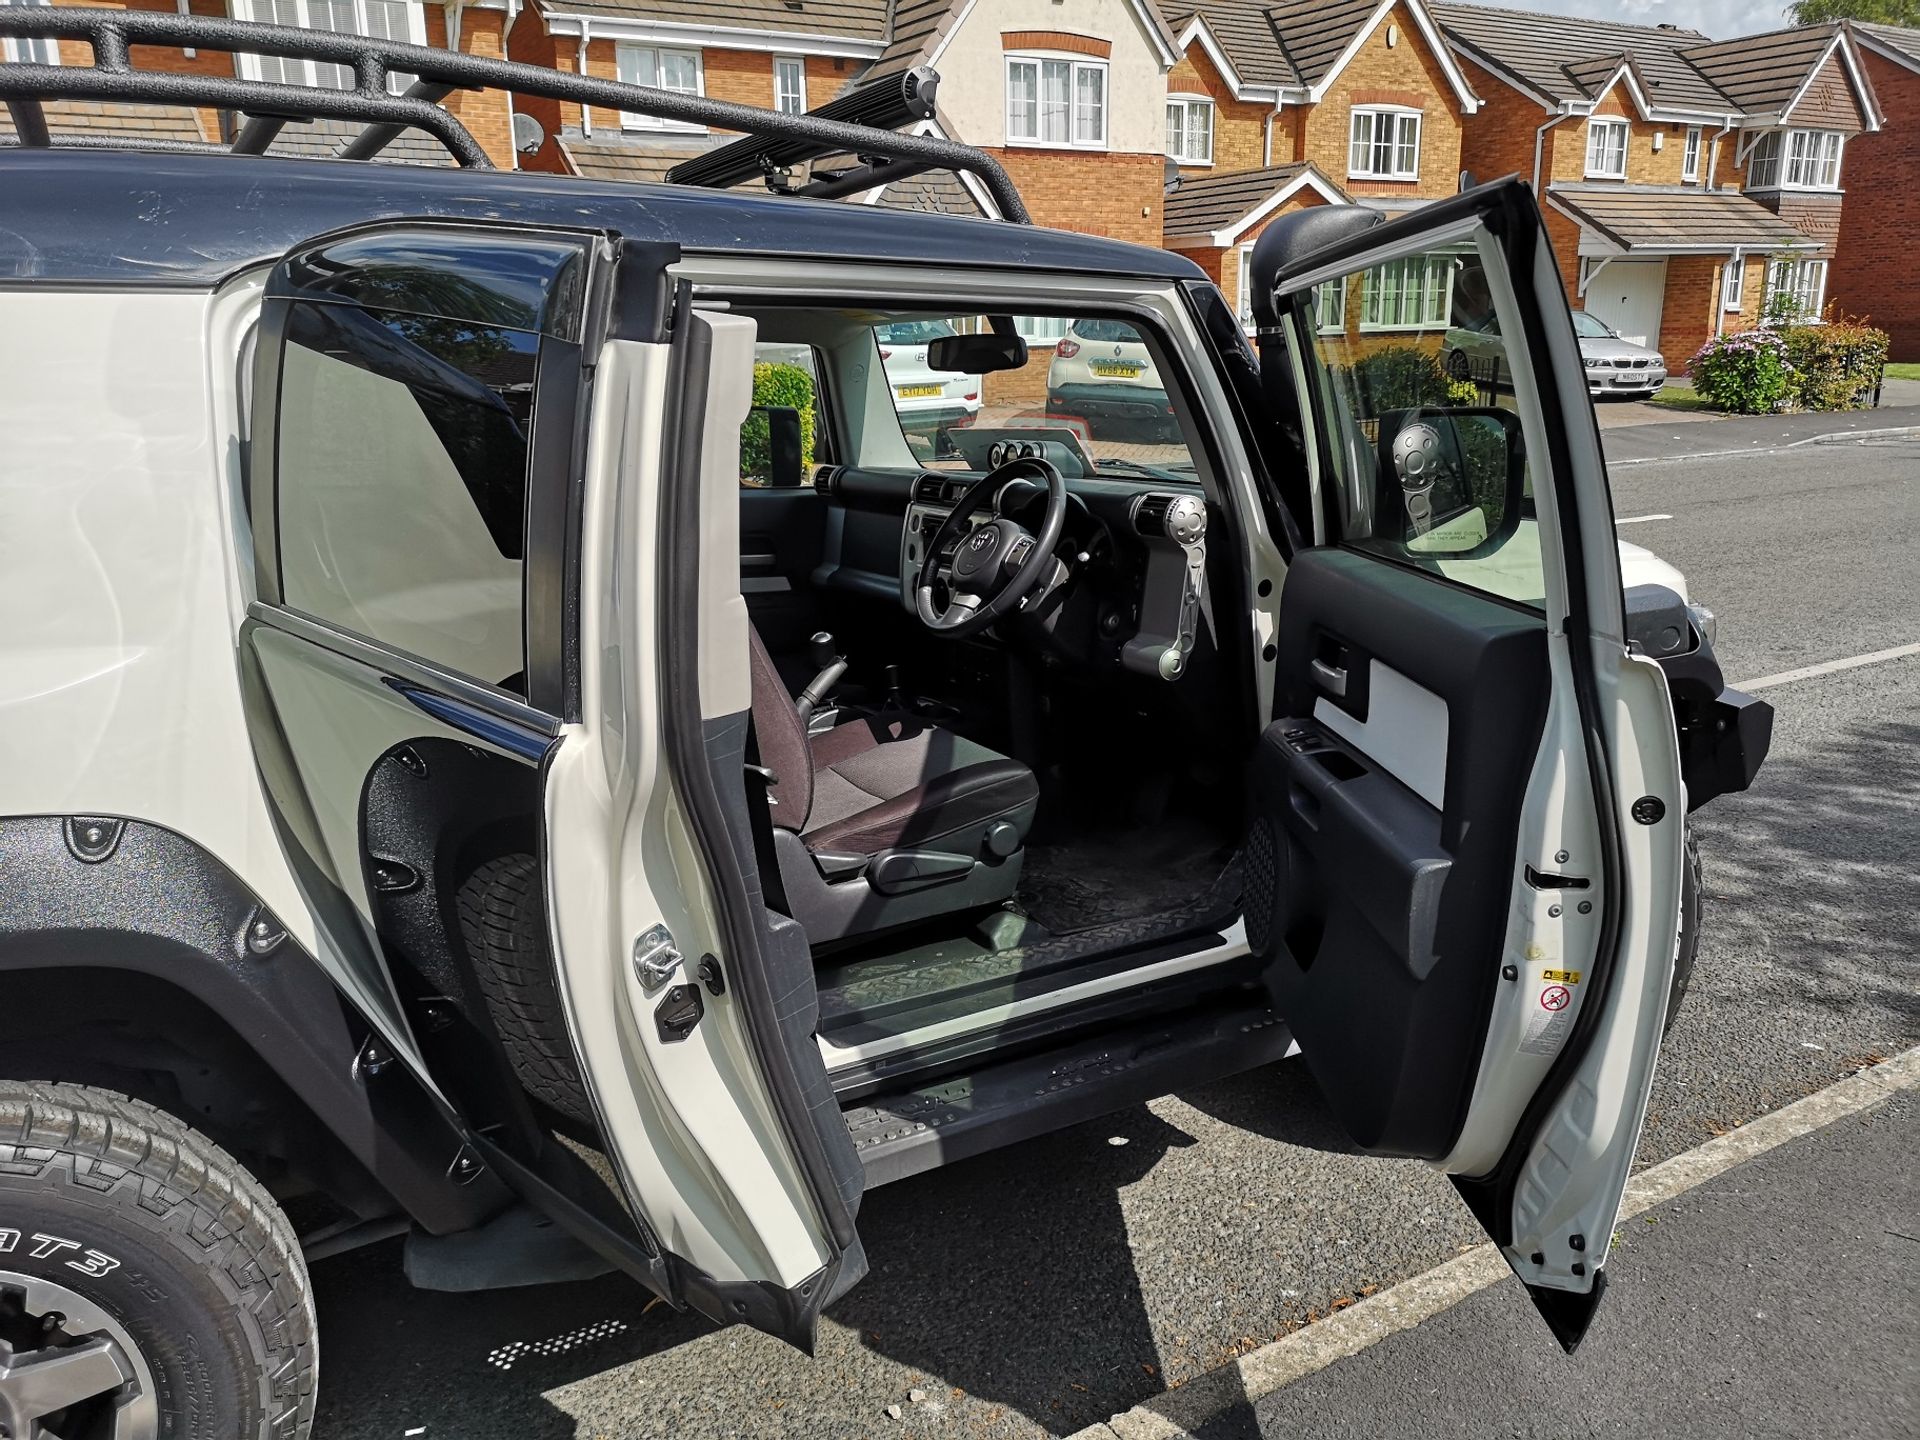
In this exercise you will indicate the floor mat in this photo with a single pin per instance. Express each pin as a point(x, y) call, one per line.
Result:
point(1130, 874)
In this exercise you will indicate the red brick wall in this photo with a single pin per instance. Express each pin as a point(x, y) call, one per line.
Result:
point(1239, 128)
point(1690, 307)
point(1109, 193)
point(1875, 272)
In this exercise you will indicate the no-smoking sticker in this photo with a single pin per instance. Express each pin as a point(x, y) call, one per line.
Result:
point(1550, 1019)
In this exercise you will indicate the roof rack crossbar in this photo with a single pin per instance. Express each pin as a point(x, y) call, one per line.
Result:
point(112, 77)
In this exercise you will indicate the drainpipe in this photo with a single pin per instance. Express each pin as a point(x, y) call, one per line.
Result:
point(1713, 157)
point(455, 10)
point(586, 111)
point(514, 8)
point(1272, 115)
point(1539, 143)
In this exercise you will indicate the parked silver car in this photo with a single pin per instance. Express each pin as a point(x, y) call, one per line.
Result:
point(1614, 366)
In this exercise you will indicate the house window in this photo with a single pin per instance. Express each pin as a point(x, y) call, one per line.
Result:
point(1384, 145)
point(1190, 130)
point(1057, 102)
point(1411, 294)
point(1796, 288)
point(1690, 161)
point(1607, 149)
point(1795, 160)
point(400, 20)
point(1733, 282)
point(35, 51)
point(1041, 329)
point(677, 71)
point(1330, 307)
point(790, 84)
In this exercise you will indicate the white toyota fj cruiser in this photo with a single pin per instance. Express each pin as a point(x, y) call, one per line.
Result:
point(415, 795)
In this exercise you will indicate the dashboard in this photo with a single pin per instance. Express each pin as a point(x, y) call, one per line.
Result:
point(1129, 585)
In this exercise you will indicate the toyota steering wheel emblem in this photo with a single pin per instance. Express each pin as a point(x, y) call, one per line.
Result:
point(981, 541)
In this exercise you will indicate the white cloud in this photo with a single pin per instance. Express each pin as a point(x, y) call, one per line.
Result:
point(1722, 19)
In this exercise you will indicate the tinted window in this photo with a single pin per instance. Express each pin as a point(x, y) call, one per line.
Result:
point(402, 481)
point(912, 332)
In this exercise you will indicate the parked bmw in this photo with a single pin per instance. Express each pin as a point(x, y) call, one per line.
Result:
point(1615, 366)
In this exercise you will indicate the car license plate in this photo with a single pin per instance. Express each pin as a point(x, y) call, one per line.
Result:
point(918, 392)
point(1115, 369)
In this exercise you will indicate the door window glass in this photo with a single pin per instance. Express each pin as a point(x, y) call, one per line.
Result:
point(785, 379)
point(402, 481)
point(1421, 431)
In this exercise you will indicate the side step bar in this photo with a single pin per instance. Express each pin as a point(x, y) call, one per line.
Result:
point(909, 1131)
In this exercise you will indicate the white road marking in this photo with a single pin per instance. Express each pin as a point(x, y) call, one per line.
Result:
point(1176, 1413)
point(1828, 667)
point(1640, 519)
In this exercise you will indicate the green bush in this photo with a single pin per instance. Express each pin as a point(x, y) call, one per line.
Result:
point(775, 385)
point(1747, 372)
point(1837, 365)
point(1399, 377)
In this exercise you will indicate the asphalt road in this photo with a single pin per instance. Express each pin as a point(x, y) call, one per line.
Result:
point(1052, 1284)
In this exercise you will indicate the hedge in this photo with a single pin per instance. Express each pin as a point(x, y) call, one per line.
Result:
point(1835, 365)
point(780, 386)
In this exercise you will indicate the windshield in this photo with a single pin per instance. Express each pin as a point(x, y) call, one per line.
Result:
point(1588, 328)
point(1091, 384)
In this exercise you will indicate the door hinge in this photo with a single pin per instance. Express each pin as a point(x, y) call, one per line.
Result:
point(655, 958)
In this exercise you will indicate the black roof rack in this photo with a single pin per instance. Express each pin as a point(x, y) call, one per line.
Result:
point(775, 141)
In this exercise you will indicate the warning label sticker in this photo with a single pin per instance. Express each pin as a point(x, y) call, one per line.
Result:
point(1549, 1021)
point(1561, 977)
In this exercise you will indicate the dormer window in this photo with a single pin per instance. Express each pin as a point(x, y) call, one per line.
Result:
point(1796, 160)
point(1607, 149)
point(1384, 144)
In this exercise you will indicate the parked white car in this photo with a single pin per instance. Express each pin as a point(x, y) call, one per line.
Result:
point(1103, 373)
point(929, 401)
point(1615, 366)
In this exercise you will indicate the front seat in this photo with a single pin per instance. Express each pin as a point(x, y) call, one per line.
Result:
point(886, 820)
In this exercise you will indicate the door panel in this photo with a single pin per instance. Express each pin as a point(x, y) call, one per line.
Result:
point(1379, 910)
point(1464, 861)
point(782, 540)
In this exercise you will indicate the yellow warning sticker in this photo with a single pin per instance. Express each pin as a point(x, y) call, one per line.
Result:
point(1561, 977)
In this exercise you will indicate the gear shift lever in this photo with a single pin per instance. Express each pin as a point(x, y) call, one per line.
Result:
point(825, 654)
point(896, 698)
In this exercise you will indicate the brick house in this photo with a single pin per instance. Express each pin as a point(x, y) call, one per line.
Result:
point(472, 27)
point(1874, 272)
point(1685, 184)
point(1275, 107)
point(1068, 100)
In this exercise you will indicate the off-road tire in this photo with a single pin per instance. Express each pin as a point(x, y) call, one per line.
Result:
point(1688, 949)
point(503, 918)
point(206, 1274)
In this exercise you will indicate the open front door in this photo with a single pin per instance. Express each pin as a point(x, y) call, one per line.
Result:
point(1466, 835)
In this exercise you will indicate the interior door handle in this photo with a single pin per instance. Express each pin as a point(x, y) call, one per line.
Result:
point(1331, 678)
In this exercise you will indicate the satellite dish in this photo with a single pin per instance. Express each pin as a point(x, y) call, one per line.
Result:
point(528, 134)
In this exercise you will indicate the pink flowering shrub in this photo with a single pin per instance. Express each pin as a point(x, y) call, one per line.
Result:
point(1747, 372)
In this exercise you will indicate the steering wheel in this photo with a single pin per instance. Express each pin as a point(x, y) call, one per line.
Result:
point(997, 565)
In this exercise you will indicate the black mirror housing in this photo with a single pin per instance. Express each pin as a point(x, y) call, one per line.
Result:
point(977, 354)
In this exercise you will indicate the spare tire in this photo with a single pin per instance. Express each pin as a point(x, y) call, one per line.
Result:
point(503, 918)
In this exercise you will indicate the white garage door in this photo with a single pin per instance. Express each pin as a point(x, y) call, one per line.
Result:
point(1626, 294)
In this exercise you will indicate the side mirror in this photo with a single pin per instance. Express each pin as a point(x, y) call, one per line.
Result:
point(977, 354)
point(772, 447)
point(1459, 477)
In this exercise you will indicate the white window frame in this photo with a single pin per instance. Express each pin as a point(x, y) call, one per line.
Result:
point(1690, 156)
point(1187, 105)
point(1374, 114)
point(1598, 128)
point(1331, 319)
point(1042, 331)
point(623, 53)
point(321, 72)
point(1773, 160)
point(1429, 315)
point(795, 65)
point(40, 50)
point(1077, 65)
point(1805, 280)
point(1733, 283)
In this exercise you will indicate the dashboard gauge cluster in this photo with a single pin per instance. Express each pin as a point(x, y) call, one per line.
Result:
point(1005, 452)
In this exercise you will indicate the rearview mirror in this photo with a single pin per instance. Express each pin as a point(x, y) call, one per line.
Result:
point(1458, 476)
point(977, 354)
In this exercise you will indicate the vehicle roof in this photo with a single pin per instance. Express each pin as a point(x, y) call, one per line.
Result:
point(152, 220)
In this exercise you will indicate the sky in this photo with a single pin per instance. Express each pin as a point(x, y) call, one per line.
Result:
point(1722, 19)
